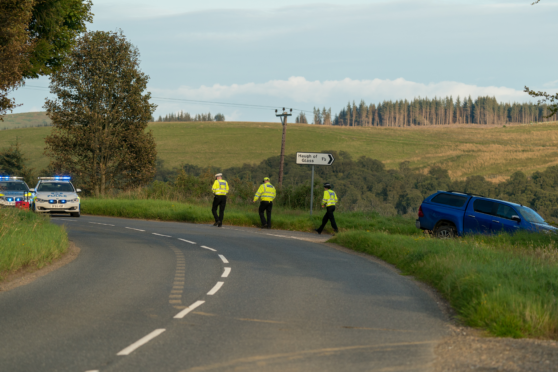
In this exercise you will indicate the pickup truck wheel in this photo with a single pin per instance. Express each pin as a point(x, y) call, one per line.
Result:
point(444, 232)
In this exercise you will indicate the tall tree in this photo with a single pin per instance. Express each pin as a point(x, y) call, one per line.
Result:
point(35, 38)
point(100, 115)
point(14, 48)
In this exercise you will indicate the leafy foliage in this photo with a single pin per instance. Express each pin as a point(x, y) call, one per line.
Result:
point(35, 38)
point(14, 163)
point(100, 115)
point(14, 48)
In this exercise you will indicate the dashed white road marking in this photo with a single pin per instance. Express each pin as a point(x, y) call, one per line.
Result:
point(223, 258)
point(141, 342)
point(216, 288)
point(104, 224)
point(166, 236)
point(131, 228)
point(187, 241)
point(211, 249)
point(226, 272)
point(184, 312)
point(93, 370)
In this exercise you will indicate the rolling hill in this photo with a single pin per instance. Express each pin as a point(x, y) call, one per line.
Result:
point(494, 152)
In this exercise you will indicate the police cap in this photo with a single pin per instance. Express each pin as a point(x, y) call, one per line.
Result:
point(327, 185)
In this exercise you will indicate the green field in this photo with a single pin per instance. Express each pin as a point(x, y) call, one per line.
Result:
point(494, 152)
point(25, 120)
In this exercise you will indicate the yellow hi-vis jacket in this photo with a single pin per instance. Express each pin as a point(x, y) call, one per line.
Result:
point(330, 198)
point(220, 187)
point(266, 192)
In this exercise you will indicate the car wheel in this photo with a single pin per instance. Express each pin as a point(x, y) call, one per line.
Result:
point(445, 232)
point(76, 214)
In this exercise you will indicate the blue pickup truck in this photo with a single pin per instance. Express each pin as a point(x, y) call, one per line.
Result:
point(450, 213)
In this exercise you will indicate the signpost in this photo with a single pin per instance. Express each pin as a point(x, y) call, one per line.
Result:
point(313, 158)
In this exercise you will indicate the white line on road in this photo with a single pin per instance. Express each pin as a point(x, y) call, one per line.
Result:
point(141, 342)
point(211, 249)
point(93, 370)
point(226, 272)
point(223, 258)
point(167, 236)
point(187, 241)
point(184, 312)
point(216, 288)
point(131, 228)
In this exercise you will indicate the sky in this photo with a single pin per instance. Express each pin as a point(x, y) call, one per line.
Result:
point(304, 54)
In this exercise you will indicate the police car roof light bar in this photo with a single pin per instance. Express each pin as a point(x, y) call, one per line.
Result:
point(56, 178)
point(9, 178)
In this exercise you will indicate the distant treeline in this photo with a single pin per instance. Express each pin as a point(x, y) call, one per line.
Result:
point(20, 126)
point(436, 111)
point(185, 116)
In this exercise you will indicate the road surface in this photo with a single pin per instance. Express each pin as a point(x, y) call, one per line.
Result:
point(164, 296)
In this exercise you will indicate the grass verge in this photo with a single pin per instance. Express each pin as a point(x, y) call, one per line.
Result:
point(241, 215)
point(497, 283)
point(27, 239)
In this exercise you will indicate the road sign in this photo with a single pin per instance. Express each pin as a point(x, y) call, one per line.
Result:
point(314, 158)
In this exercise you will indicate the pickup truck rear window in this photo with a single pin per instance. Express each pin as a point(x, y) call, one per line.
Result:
point(484, 206)
point(449, 199)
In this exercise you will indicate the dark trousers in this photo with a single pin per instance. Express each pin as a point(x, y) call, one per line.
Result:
point(329, 217)
point(219, 201)
point(265, 206)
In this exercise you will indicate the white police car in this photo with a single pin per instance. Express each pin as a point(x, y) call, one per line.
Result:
point(56, 195)
point(12, 190)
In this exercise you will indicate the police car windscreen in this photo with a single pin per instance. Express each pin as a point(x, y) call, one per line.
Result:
point(450, 199)
point(13, 186)
point(55, 187)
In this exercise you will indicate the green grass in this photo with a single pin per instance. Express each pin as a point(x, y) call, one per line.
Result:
point(25, 120)
point(499, 284)
point(495, 152)
point(28, 239)
point(241, 215)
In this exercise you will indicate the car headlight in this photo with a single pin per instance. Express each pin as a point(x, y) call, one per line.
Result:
point(41, 200)
point(73, 200)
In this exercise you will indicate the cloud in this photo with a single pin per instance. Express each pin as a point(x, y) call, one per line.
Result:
point(300, 90)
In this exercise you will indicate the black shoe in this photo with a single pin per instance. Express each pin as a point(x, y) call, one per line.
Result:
point(268, 227)
point(220, 224)
point(264, 226)
point(318, 231)
point(336, 231)
point(216, 223)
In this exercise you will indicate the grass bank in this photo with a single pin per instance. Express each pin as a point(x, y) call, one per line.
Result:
point(241, 215)
point(27, 239)
point(504, 284)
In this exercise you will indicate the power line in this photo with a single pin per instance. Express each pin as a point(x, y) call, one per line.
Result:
point(227, 104)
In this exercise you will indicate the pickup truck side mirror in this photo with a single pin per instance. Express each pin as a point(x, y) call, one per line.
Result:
point(516, 218)
point(78, 190)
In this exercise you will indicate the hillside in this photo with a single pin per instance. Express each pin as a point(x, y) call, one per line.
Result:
point(25, 120)
point(495, 152)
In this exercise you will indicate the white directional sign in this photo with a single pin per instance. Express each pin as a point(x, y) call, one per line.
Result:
point(314, 158)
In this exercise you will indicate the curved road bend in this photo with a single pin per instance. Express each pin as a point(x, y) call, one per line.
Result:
point(142, 296)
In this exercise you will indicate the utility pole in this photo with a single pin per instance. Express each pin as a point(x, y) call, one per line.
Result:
point(283, 117)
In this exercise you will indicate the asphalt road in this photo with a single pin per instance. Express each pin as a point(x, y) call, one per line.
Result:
point(264, 303)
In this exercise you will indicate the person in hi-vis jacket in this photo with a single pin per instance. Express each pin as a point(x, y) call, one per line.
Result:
point(266, 193)
point(329, 201)
point(220, 189)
